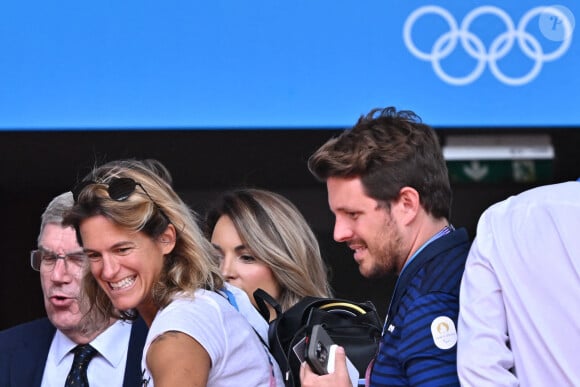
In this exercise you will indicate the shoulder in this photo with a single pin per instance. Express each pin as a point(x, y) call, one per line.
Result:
point(208, 318)
point(204, 302)
point(204, 314)
point(443, 269)
point(32, 331)
point(534, 202)
point(202, 311)
point(558, 193)
point(540, 215)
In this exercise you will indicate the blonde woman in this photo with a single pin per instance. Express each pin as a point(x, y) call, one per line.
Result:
point(148, 256)
point(264, 242)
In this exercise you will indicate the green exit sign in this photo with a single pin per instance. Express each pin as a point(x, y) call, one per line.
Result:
point(499, 171)
point(499, 159)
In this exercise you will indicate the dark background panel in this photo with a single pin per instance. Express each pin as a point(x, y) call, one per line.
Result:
point(36, 166)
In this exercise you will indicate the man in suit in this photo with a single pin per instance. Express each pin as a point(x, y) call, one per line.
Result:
point(41, 352)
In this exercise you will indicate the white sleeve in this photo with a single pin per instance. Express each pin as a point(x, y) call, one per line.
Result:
point(200, 318)
point(483, 354)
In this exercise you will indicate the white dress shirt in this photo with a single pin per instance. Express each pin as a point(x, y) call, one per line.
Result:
point(519, 320)
point(107, 368)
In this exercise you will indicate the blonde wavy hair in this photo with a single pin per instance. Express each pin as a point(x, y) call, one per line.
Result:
point(276, 234)
point(149, 209)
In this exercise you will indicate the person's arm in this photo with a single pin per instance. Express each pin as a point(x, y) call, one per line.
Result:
point(176, 359)
point(339, 378)
point(483, 354)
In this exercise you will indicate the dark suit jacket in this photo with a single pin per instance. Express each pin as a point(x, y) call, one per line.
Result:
point(24, 349)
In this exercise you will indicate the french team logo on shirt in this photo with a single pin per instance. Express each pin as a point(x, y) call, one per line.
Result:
point(444, 332)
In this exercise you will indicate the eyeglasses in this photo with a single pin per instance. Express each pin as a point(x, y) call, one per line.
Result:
point(119, 189)
point(43, 260)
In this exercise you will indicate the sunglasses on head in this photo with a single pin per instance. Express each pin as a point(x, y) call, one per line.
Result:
point(118, 188)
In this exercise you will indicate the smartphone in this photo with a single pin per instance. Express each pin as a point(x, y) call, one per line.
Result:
point(318, 350)
point(320, 355)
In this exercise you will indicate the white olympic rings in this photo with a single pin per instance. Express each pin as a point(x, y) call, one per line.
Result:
point(498, 48)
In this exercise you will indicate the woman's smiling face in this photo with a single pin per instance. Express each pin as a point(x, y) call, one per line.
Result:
point(126, 264)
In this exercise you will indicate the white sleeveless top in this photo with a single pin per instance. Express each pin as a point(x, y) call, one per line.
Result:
point(237, 355)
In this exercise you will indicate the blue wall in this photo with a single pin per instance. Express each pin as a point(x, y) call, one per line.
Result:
point(142, 64)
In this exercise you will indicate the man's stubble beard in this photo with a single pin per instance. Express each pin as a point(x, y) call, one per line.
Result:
point(389, 255)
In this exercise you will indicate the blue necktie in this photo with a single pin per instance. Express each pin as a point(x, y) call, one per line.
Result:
point(77, 376)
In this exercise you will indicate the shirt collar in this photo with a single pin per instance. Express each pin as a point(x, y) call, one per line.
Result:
point(62, 345)
point(112, 343)
point(444, 231)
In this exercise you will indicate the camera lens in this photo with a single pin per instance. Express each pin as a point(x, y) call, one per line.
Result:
point(321, 352)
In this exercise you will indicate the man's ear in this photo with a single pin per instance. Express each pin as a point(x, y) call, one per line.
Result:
point(409, 204)
point(167, 239)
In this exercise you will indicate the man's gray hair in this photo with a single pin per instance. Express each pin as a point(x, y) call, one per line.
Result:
point(55, 211)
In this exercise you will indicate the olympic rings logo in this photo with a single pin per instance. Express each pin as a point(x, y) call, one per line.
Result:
point(498, 48)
